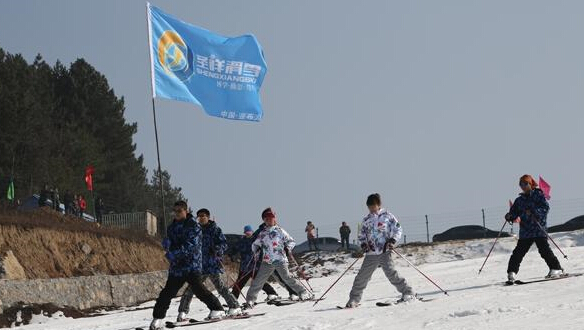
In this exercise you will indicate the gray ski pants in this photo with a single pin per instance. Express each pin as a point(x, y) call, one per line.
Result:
point(265, 271)
point(370, 264)
point(222, 289)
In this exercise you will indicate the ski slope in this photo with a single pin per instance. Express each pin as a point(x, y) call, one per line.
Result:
point(474, 301)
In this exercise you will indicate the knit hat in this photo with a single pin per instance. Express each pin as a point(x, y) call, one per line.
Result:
point(247, 229)
point(268, 213)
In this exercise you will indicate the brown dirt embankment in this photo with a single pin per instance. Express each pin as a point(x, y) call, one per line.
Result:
point(49, 245)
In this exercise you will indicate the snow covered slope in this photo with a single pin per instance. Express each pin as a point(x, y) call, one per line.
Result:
point(475, 301)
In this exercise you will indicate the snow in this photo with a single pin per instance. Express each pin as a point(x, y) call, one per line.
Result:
point(474, 301)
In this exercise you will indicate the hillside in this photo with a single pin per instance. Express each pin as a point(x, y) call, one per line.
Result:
point(49, 245)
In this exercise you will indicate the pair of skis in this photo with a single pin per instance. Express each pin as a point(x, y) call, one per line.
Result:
point(393, 302)
point(519, 282)
point(286, 302)
point(191, 322)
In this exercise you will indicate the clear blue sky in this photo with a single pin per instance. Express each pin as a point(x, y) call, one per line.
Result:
point(438, 106)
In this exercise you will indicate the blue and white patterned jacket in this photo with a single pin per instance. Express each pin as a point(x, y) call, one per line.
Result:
point(184, 247)
point(213, 249)
point(273, 242)
point(377, 229)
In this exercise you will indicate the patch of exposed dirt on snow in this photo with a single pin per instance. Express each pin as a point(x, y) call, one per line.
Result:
point(22, 314)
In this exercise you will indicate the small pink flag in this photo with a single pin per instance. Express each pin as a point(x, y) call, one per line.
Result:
point(545, 187)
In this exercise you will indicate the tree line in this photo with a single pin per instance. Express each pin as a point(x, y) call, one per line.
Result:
point(56, 120)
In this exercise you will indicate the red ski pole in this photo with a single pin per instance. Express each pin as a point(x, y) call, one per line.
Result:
point(300, 270)
point(235, 281)
point(250, 271)
point(551, 239)
point(419, 271)
point(330, 287)
point(491, 250)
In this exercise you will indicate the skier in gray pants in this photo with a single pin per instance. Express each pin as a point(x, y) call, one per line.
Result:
point(380, 231)
point(274, 242)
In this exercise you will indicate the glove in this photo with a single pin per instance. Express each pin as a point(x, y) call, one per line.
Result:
point(509, 218)
point(364, 247)
point(166, 244)
point(170, 256)
point(390, 243)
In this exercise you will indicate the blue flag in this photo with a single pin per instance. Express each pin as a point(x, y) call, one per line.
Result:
point(221, 75)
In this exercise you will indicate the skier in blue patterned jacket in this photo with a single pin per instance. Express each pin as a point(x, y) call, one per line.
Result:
point(183, 251)
point(214, 245)
point(380, 232)
point(531, 209)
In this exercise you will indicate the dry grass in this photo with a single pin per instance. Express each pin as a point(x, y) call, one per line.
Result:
point(50, 219)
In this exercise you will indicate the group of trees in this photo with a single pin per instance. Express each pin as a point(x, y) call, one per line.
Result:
point(56, 120)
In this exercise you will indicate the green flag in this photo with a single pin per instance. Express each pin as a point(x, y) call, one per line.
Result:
point(10, 194)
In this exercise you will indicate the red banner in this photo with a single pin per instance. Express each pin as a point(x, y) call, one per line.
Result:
point(89, 178)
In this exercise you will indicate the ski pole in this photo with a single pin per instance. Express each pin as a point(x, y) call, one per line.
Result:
point(242, 276)
point(419, 271)
point(303, 285)
point(255, 262)
point(551, 239)
point(300, 270)
point(246, 266)
point(235, 281)
point(491, 250)
point(330, 287)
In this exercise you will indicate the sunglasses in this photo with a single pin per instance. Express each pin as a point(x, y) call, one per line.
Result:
point(523, 184)
point(177, 210)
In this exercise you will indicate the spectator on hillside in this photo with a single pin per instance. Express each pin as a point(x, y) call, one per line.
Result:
point(56, 199)
point(75, 205)
point(82, 206)
point(345, 231)
point(311, 235)
point(99, 209)
point(68, 201)
point(44, 196)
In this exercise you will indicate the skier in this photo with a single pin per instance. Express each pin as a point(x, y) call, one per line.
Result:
point(274, 242)
point(246, 265)
point(380, 232)
point(531, 208)
point(183, 251)
point(292, 295)
point(213, 248)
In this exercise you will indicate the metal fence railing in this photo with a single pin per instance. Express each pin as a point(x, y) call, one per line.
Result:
point(137, 221)
point(421, 228)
